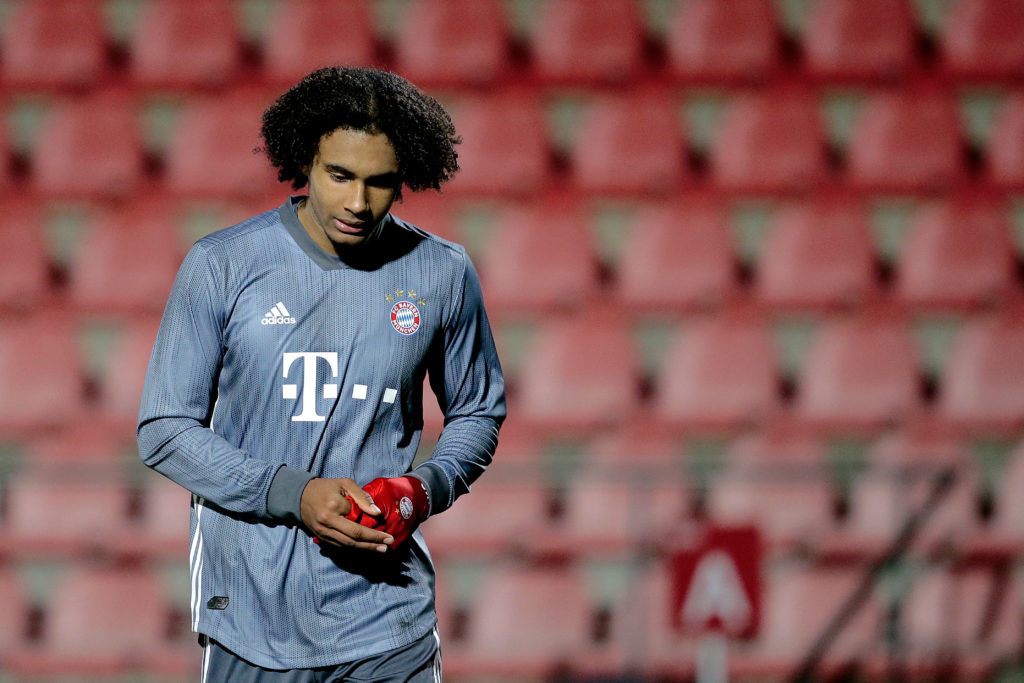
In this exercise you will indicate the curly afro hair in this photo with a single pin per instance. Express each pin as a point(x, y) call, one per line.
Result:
point(362, 99)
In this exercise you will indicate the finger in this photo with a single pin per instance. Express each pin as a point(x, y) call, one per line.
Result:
point(345, 532)
point(363, 499)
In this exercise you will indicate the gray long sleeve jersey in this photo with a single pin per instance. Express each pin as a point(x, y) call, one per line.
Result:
point(276, 362)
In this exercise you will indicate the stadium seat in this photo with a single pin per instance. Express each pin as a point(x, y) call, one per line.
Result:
point(1005, 533)
point(581, 374)
point(14, 617)
point(306, 35)
point(900, 475)
point(126, 262)
point(861, 373)
point(121, 387)
point(41, 382)
point(428, 211)
point(906, 141)
point(959, 623)
point(212, 155)
point(958, 256)
point(777, 480)
point(1005, 151)
point(504, 151)
point(817, 256)
point(720, 373)
point(588, 42)
point(630, 146)
point(101, 138)
point(677, 257)
point(453, 43)
point(769, 143)
point(799, 603)
point(984, 373)
point(25, 264)
point(983, 39)
point(53, 46)
point(180, 44)
point(97, 522)
point(541, 257)
point(101, 622)
point(855, 40)
point(712, 42)
point(511, 628)
point(165, 518)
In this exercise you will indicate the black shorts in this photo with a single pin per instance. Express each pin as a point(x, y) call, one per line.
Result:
point(418, 662)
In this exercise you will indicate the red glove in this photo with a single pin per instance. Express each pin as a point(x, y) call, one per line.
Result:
point(403, 502)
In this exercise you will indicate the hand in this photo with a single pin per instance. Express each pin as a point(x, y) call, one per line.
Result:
point(324, 505)
point(402, 502)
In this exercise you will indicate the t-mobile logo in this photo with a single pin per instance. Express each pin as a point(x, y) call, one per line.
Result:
point(310, 387)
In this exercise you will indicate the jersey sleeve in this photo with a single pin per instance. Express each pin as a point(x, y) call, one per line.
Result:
point(470, 389)
point(179, 395)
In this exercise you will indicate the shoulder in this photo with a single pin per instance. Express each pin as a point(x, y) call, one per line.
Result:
point(259, 228)
point(435, 246)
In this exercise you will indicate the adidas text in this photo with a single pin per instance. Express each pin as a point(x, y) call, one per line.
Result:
point(278, 315)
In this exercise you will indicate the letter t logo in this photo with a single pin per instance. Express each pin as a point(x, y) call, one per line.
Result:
point(291, 391)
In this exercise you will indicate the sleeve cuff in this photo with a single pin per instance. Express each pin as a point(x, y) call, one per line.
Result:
point(285, 494)
point(434, 482)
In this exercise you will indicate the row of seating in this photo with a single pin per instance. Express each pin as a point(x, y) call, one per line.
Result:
point(821, 255)
point(962, 621)
point(839, 500)
point(176, 44)
point(860, 371)
point(523, 142)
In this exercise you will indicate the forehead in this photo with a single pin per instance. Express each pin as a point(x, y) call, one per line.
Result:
point(358, 151)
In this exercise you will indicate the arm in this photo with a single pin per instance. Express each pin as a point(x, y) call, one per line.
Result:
point(174, 434)
point(470, 388)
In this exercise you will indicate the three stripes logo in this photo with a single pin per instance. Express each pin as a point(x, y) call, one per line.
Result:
point(278, 315)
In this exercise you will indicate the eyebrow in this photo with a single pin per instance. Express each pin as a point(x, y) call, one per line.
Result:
point(391, 176)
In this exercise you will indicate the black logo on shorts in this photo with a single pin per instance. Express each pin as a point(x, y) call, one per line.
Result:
point(217, 602)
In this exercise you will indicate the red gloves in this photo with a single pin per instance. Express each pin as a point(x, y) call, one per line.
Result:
point(403, 503)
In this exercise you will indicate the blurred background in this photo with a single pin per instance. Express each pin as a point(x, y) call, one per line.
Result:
point(751, 264)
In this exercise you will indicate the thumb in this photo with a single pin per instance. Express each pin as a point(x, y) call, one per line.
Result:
point(362, 499)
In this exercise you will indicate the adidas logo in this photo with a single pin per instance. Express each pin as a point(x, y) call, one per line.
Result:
point(278, 315)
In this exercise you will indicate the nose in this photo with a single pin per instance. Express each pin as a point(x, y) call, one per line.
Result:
point(356, 202)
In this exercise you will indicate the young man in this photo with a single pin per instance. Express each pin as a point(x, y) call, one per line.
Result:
point(288, 374)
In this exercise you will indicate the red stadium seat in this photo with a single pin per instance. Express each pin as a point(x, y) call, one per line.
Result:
point(630, 145)
point(799, 603)
point(1005, 533)
point(585, 42)
point(53, 45)
point(121, 388)
point(90, 632)
point(453, 43)
point(212, 149)
point(307, 35)
point(906, 141)
point(25, 263)
point(184, 44)
point(165, 518)
point(983, 378)
point(541, 258)
point(983, 39)
point(719, 373)
point(860, 40)
point(957, 256)
point(428, 211)
point(1005, 151)
point(723, 42)
point(769, 143)
point(99, 522)
point(504, 151)
point(817, 256)
point(513, 631)
point(126, 262)
point(678, 257)
point(101, 137)
point(581, 374)
point(968, 620)
point(86, 447)
point(41, 381)
point(861, 373)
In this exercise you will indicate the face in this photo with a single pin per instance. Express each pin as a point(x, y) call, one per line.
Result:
point(352, 183)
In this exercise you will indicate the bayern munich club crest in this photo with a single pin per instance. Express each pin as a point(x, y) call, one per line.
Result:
point(405, 507)
point(405, 313)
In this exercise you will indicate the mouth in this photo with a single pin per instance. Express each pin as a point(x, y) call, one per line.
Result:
point(351, 228)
